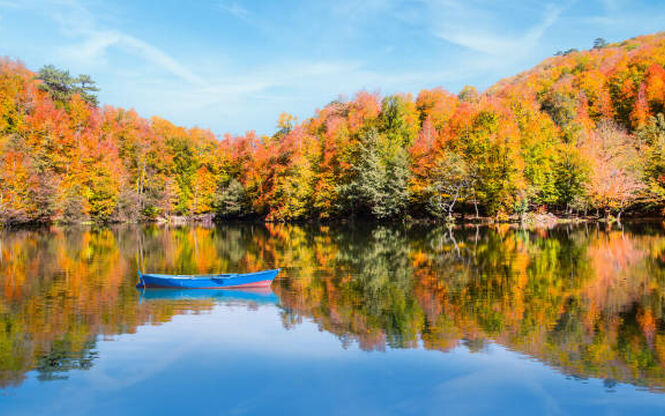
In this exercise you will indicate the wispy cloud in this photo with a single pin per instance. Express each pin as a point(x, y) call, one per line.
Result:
point(228, 92)
point(96, 44)
point(461, 26)
point(234, 9)
point(92, 41)
point(219, 74)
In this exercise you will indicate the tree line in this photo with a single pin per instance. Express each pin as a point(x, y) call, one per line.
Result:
point(582, 133)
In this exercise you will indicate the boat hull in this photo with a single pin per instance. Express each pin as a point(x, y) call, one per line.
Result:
point(220, 281)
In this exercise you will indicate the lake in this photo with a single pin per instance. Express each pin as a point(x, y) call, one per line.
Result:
point(363, 319)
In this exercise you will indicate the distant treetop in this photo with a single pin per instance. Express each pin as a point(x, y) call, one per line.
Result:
point(61, 86)
point(566, 52)
point(599, 43)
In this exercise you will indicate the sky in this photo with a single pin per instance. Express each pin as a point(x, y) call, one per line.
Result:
point(234, 65)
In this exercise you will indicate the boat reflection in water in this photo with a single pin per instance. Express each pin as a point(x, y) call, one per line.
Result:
point(262, 296)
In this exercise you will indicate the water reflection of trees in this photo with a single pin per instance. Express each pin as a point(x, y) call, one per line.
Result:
point(61, 289)
point(584, 299)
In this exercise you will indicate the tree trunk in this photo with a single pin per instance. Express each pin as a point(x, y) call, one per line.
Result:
point(142, 181)
point(452, 205)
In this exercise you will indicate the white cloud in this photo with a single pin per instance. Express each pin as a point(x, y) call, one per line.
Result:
point(94, 42)
point(157, 56)
point(461, 27)
point(226, 92)
point(226, 87)
point(234, 9)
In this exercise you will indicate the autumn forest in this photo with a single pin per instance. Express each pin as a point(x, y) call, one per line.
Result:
point(582, 134)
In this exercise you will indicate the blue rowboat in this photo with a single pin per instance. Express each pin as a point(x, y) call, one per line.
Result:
point(208, 281)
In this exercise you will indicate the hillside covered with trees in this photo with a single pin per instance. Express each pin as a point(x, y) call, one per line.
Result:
point(582, 133)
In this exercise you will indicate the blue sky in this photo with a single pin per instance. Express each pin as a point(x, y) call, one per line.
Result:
point(234, 65)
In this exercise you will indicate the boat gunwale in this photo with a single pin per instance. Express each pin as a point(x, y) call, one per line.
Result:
point(206, 276)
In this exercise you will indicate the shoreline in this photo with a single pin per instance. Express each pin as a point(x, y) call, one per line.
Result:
point(529, 220)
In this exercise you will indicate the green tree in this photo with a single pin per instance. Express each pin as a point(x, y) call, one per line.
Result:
point(231, 201)
point(61, 86)
point(85, 87)
point(383, 175)
point(570, 176)
point(599, 43)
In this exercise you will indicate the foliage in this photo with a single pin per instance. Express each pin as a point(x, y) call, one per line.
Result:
point(382, 175)
point(615, 177)
point(451, 181)
point(599, 43)
point(231, 201)
point(537, 141)
point(61, 86)
point(653, 137)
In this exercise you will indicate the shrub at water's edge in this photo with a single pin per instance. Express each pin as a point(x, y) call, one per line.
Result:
point(581, 134)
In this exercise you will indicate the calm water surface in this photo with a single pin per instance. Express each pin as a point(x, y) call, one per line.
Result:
point(363, 319)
